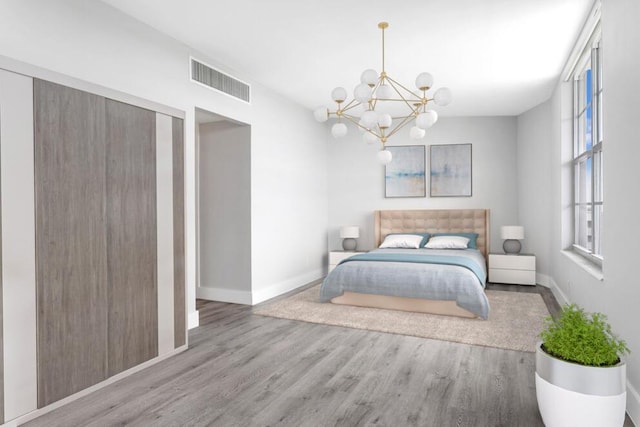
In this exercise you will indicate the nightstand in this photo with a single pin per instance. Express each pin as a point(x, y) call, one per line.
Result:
point(516, 269)
point(336, 256)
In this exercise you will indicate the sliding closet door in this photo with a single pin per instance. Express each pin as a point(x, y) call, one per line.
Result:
point(180, 311)
point(71, 244)
point(131, 236)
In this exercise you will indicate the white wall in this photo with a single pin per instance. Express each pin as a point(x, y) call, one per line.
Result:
point(617, 295)
point(224, 233)
point(94, 42)
point(535, 195)
point(620, 295)
point(289, 196)
point(356, 179)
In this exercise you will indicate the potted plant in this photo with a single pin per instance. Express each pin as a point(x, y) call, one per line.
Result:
point(580, 374)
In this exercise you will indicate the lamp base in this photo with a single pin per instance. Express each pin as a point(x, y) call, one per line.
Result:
point(511, 246)
point(349, 244)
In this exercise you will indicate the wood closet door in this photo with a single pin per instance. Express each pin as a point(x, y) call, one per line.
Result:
point(179, 290)
point(71, 243)
point(131, 236)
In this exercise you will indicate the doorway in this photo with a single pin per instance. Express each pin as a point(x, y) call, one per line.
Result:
point(223, 188)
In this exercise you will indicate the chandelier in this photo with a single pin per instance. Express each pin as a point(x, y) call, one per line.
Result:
point(381, 96)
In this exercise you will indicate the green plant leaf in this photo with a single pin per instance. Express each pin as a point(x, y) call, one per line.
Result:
point(584, 338)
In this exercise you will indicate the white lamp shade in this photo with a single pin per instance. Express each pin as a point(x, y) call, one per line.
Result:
point(339, 94)
point(369, 119)
point(350, 232)
point(443, 96)
point(416, 133)
point(384, 120)
point(426, 119)
point(385, 156)
point(321, 114)
point(339, 130)
point(369, 77)
point(384, 91)
point(424, 81)
point(362, 93)
point(515, 232)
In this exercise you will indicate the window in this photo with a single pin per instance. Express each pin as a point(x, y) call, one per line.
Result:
point(587, 154)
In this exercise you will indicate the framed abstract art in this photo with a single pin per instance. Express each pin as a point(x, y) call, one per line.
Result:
point(405, 175)
point(450, 170)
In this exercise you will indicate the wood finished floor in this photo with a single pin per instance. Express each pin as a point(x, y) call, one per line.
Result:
point(246, 370)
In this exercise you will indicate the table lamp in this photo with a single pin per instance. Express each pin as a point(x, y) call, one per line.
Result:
point(349, 234)
point(512, 234)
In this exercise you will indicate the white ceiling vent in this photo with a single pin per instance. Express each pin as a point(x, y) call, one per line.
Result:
point(214, 79)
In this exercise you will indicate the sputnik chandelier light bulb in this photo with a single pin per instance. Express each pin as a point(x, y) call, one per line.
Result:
point(377, 93)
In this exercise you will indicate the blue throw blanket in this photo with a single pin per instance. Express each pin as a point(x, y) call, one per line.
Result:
point(425, 259)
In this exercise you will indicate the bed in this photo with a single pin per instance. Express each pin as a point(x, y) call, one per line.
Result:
point(438, 281)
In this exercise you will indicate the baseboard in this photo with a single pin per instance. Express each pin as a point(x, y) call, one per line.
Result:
point(557, 292)
point(194, 319)
point(543, 280)
point(253, 298)
point(286, 286)
point(223, 295)
point(548, 282)
point(633, 404)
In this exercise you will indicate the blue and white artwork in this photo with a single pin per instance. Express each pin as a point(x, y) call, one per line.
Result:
point(405, 175)
point(450, 170)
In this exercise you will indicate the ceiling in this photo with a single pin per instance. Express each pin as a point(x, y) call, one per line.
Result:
point(499, 57)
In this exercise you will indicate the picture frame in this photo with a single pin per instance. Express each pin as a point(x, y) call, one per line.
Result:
point(405, 176)
point(450, 173)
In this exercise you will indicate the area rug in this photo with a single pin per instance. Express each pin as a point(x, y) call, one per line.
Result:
point(515, 320)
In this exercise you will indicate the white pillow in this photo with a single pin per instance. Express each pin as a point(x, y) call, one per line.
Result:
point(407, 241)
point(447, 242)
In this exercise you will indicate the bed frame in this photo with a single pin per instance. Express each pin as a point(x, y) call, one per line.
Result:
point(430, 221)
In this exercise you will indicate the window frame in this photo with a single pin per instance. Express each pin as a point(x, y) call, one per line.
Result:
point(591, 59)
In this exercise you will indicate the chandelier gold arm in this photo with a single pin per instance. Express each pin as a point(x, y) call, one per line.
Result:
point(403, 87)
point(382, 26)
point(374, 101)
point(352, 104)
point(352, 119)
point(393, 84)
point(356, 121)
point(380, 135)
point(394, 100)
point(400, 125)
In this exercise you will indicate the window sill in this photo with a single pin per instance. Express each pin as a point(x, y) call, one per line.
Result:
point(588, 266)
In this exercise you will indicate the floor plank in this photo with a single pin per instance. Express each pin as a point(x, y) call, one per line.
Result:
point(248, 370)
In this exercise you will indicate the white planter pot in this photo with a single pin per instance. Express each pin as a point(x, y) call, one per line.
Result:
point(583, 396)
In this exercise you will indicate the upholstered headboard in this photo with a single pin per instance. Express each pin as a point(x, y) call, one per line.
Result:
point(434, 221)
